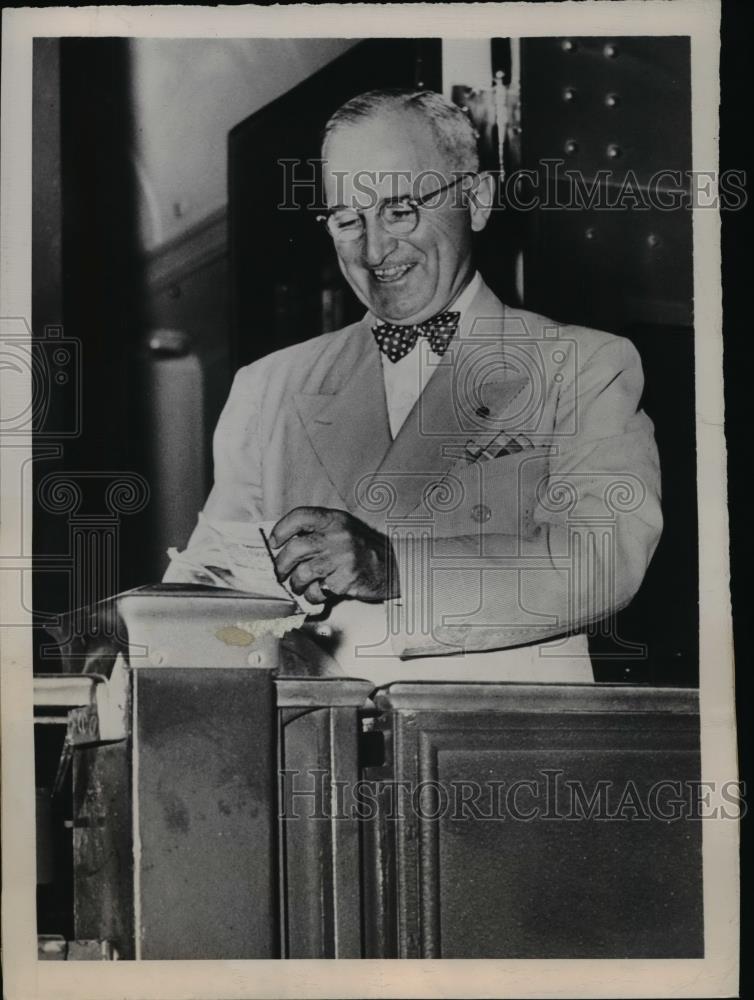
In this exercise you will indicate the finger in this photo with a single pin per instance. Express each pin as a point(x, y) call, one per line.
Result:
point(300, 519)
point(298, 549)
point(305, 573)
point(315, 594)
point(338, 582)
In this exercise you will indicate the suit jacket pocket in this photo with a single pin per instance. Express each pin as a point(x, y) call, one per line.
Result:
point(497, 496)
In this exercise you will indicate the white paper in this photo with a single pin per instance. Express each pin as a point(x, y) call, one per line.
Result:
point(233, 554)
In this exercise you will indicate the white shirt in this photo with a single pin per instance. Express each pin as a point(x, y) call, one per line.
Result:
point(406, 379)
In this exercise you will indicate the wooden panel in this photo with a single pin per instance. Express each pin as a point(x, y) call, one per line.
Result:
point(321, 883)
point(103, 846)
point(603, 268)
point(476, 869)
point(647, 79)
point(624, 265)
point(567, 887)
point(583, 99)
point(204, 782)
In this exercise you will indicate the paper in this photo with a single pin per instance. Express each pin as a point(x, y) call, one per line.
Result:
point(234, 554)
point(277, 627)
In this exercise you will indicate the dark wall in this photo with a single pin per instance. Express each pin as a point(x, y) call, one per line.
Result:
point(616, 114)
point(616, 111)
point(91, 529)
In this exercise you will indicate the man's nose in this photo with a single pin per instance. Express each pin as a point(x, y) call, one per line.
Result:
point(377, 242)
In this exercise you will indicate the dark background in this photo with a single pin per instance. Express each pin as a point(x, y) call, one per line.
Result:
point(736, 78)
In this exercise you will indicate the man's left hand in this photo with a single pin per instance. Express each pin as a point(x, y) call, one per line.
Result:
point(324, 552)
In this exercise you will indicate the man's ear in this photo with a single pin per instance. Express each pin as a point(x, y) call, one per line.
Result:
point(481, 199)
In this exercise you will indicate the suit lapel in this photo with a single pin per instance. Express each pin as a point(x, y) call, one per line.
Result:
point(347, 423)
point(464, 403)
point(418, 455)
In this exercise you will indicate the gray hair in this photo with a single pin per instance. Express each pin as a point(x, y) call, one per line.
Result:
point(452, 129)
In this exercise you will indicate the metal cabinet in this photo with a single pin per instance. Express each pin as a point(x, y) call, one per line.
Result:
point(225, 805)
point(183, 847)
point(534, 821)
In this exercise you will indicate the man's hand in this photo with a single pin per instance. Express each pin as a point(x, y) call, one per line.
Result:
point(327, 552)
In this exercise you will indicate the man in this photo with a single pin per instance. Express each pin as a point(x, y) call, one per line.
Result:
point(463, 485)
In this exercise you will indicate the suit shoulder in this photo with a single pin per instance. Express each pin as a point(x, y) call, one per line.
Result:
point(595, 340)
point(298, 360)
point(586, 341)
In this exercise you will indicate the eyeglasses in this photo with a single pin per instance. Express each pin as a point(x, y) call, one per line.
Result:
point(397, 216)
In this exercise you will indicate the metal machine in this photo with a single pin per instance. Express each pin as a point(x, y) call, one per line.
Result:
point(233, 795)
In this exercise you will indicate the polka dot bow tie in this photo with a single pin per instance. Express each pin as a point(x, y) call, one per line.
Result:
point(398, 341)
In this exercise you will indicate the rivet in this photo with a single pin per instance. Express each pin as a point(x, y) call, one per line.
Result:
point(254, 659)
point(571, 146)
point(483, 411)
point(612, 100)
point(614, 151)
point(569, 94)
point(157, 657)
point(567, 45)
point(590, 233)
point(653, 240)
point(481, 512)
point(610, 50)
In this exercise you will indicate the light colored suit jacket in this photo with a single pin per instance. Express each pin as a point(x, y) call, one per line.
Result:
point(521, 494)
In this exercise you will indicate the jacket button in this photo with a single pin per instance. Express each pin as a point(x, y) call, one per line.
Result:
point(481, 513)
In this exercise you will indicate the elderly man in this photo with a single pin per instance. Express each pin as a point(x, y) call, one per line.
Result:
point(463, 485)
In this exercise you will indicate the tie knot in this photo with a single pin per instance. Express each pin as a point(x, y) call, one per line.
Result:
point(397, 341)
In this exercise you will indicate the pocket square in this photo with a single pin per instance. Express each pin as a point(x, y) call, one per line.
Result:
point(502, 444)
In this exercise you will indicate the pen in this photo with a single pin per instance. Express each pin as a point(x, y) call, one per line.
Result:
point(270, 553)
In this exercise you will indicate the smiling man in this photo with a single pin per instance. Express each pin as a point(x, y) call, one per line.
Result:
point(463, 485)
point(378, 152)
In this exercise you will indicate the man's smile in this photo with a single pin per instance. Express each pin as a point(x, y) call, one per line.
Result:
point(390, 274)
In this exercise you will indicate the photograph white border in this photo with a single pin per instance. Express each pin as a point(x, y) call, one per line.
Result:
point(716, 974)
